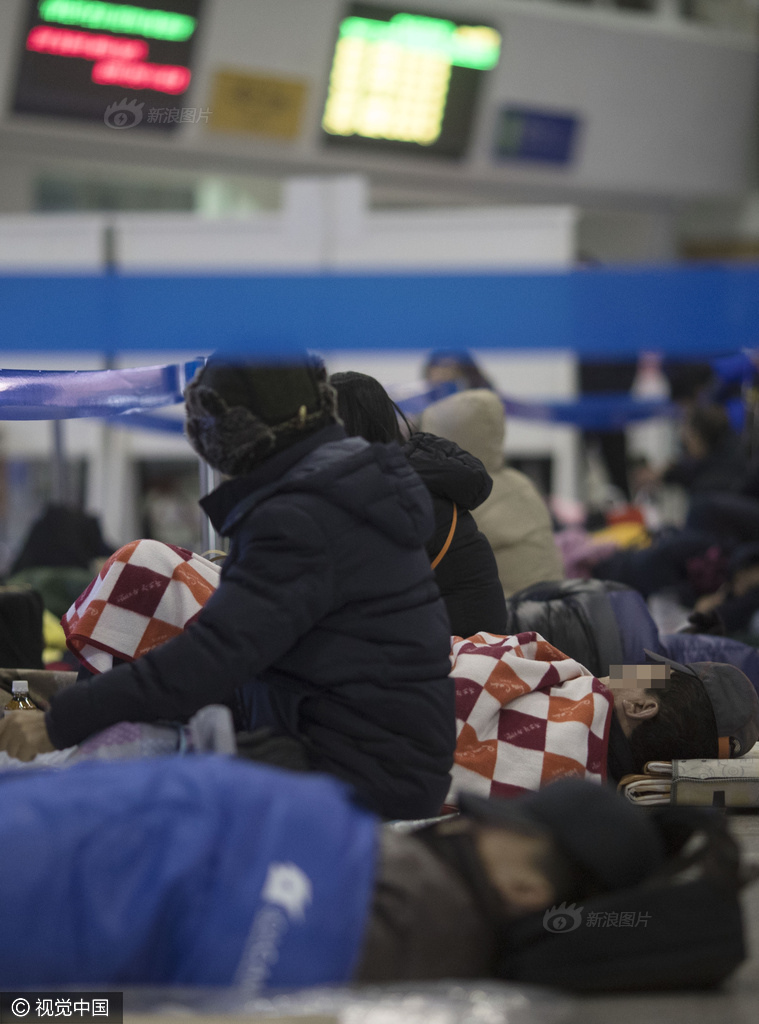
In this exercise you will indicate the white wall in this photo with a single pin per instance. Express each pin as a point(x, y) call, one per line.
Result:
point(291, 239)
point(39, 244)
point(484, 238)
point(327, 224)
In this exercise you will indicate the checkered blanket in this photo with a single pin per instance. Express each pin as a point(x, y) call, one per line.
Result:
point(145, 594)
point(526, 714)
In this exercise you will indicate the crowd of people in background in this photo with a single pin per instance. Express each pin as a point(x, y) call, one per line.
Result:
point(401, 629)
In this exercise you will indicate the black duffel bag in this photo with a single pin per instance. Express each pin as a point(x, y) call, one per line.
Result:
point(680, 929)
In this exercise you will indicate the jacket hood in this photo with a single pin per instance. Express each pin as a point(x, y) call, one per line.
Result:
point(475, 420)
point(448, 471)
point(345, 473)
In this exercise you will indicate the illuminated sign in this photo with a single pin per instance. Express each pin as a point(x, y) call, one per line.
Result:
point(63, 43)
point(406, 81)
point(84, 58)
point(138, 21)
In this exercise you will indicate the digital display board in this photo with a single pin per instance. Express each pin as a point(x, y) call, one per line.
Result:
point(406, 82)
point(122, 64)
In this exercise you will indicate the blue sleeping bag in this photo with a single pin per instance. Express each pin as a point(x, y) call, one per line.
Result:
point(182, 871)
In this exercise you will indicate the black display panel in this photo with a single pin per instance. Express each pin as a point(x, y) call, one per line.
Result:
point(125, 65)
point(406, 82)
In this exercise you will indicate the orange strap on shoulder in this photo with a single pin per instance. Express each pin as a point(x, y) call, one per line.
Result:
point(723, 747)
point(439, 557)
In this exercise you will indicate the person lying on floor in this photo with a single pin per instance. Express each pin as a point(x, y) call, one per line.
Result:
point(541, 715)
point(327, 628)
point(527, 715)
point(210, 871)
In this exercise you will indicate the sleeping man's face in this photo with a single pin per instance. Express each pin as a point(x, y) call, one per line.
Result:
point(630, 686)
point(512, 861)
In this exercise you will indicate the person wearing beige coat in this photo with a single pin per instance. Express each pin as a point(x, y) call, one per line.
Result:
point(515, 518)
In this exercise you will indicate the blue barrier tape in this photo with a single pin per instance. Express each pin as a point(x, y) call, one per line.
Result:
point(685, 312)
point(593, 412)
point(610, 411)
point(70, 394)
point(121, 396)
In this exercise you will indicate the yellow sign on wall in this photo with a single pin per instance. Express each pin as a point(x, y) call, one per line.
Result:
point(256, 104)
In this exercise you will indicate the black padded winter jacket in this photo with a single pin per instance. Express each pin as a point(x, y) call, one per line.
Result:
point(327, 611)
point(468, 574)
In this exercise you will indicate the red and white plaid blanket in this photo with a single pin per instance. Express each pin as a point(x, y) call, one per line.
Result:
point(145, 594)
point(526, 715)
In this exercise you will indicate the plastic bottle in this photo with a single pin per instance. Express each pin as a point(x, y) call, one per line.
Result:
point(20, 700)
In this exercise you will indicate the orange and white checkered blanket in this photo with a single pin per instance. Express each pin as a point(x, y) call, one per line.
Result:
point(145, 594)
point(526, 715)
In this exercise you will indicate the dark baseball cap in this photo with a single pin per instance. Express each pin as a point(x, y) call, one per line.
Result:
point(733, 699)
point(598, 830)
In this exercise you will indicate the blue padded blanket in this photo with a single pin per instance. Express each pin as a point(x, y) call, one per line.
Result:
point(182, 871)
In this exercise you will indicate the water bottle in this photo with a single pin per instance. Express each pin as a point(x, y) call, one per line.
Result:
point(20, 701)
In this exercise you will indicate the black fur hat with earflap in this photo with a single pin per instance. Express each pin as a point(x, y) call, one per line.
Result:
point(239, 413)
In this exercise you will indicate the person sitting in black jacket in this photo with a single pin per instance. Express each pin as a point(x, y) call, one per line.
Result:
point(327, 621)
point(712, 459)
point(464, 563)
